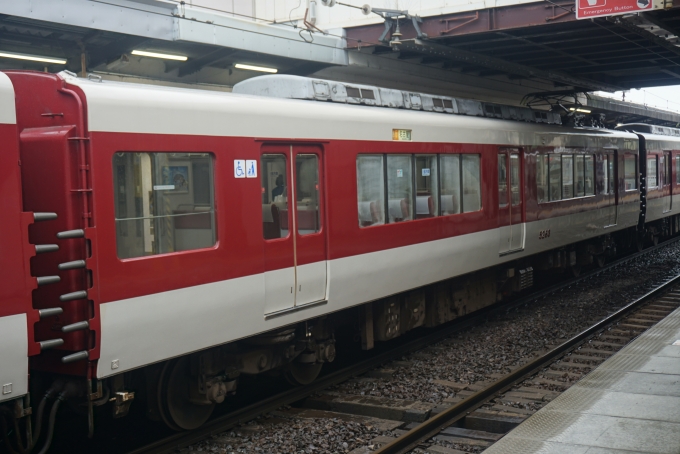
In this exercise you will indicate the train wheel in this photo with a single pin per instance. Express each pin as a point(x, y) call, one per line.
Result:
point(298, 373)
point(174, 400)
point(599, 260)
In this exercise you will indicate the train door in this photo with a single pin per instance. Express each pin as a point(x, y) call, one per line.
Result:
point(510, 206)
point(610, 187)
point(292, 216)
point(666, 182)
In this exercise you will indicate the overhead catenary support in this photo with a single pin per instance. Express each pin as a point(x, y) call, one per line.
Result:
point(434, 49)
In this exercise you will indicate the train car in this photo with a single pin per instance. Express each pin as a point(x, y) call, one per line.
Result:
point(660, 181)
point(207, 236)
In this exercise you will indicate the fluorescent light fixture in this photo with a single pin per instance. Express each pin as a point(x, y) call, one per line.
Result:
point(256, 68)
point(573, 109)
point(56, 61)
point(143, 53)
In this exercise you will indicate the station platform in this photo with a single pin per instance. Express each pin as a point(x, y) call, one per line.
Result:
point(630, 403)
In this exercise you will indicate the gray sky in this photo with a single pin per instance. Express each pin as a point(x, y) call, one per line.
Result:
point(667, 98)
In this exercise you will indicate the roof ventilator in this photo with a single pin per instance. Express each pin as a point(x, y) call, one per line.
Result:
point(298, 87)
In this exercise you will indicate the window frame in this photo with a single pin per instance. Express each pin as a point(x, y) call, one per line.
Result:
point(654, 160)
point(154, 218)
point(545, 159)
point(437, 199)
point(479, 181)
point(383, 166)
point(413, 158)
point(636, 171)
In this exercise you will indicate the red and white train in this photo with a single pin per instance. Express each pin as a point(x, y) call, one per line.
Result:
point(159, 243)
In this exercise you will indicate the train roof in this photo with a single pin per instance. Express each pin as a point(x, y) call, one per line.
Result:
point(7, 108)
point(139, 108)
point(645, 128)
point(297, 87)
point(656, 137)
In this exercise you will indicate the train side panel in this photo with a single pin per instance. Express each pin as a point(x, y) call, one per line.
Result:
point(658, 167)
point(50, 120)
point(189, 299)
point(15, 297)
point(222, 299)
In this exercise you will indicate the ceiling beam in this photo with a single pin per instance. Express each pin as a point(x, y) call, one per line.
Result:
point(511, 17)
point(630, 26)
point(428, 48)
point(552, 50)
point(194, 65)
point(649, 17)
point(118, 46)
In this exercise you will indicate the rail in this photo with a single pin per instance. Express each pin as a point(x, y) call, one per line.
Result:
point(432, 426)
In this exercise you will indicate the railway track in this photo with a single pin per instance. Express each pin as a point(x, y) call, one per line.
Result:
point(613, 333)
point(473, 418)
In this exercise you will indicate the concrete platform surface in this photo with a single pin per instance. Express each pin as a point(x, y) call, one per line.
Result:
point(629, 404)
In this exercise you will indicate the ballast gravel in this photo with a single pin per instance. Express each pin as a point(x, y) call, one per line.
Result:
point(479, 354)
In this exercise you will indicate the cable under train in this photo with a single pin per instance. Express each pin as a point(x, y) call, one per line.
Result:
point(158, 244)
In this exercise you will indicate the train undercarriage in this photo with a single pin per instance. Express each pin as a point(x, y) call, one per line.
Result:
point(183, 392)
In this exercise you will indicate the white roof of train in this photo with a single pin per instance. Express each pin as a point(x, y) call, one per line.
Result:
point(657, 137)
point(137, 108)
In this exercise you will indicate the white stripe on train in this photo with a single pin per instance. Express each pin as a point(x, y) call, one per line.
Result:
point(139, 331)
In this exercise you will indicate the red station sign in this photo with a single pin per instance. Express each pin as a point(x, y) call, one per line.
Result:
point(586, 9)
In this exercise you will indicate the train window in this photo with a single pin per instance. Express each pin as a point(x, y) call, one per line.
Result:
point(450, 183)
point(514, 179)
point(630, 174)
point(652, 171)
point(666, 166)
point(542, 178)
point(163, 203)
point(370, 190)
point(605, 174)
point(612, 175)
point(472, 189)
point(567, 176)
point(677, 169)
point(427, 188)
point(590, 175)
point(307, 193)
point(399, 188)
point(555, 164)
point(580, 176)
point(502, 179)
point(274, 196)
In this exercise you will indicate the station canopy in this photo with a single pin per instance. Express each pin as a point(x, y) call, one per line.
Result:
point(546, 41)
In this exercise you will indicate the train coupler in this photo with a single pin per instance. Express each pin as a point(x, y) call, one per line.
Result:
point(121, 403)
